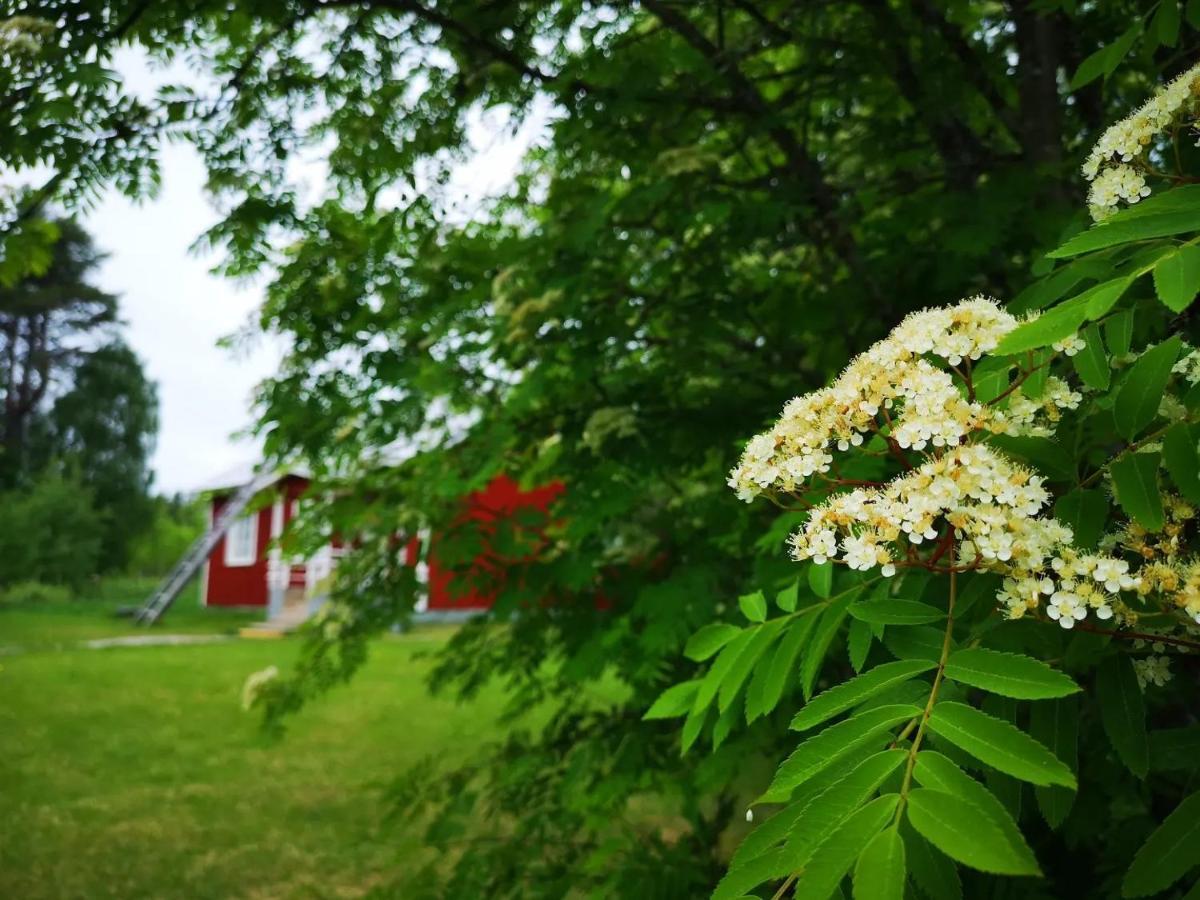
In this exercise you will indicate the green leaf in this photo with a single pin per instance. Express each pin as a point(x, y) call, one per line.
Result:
point(837, 853)
point(1182, 460)
point(788, 597)
point(935, 771)
point(1123, 712)
point(1135, 478)
point(1086, 513)
point(1122, 230)
point(1118, 332)
point(1060, 322)
point(770, 866)
point(832, 805)
point(783, 664)
point(711, 682)
point(1103, 297)
point(1177, 278)
point(890, 611)
point(1168, 854)
point(850, 693)
point(921, 642)
point(726, 720)
point(999, 744)
point(1141, 393)
point(674, 701)
point(822, 750)
point(1008, 674)
point(1173, 749)
point(932, 872)
point(1192, 13)
point(961, 830)
point(1056, 724)
point(1105, 60)
point(754, 606)
point(1091, 363)
point(764, 636)
point(831, 620)
point(880, 871)
point(1047, 456)
point(858, 642)
point(1165, 24)
point(709, 639)
point(820, 579)
point(991, 378)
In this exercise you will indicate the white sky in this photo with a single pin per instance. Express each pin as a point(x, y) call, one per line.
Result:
point(177, 311)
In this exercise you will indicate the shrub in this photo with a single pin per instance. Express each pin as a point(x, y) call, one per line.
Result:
point(49, 532)
point(34, 592)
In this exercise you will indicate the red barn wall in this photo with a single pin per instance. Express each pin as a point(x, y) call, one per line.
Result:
point(501, 498)
point(238, 585)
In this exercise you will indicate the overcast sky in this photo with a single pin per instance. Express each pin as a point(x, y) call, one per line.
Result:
point(177, 311)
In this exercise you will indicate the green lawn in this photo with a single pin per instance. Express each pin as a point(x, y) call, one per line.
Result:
point(93, 616)
point(133, 772)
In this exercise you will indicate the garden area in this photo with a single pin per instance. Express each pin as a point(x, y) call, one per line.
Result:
point(135, 771)
point(741, 449)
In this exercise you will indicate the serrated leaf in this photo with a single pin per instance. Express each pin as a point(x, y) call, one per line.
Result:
point(831, 620)
point(788, 597)
point(851, 693)
point(771, 866)
point(1103, 297)
point(1118, 332)
point(1086, 512)
point(837, 853)
point(1135, 479)
point(1168, 854)
point(754, 606)
point(1049, 457)
point(709, 639)
point(724, 723)
point(692, 727)
point(820, 579)
point(933, 770)
point(711, 682)
point(881, 871)
point(961, 830)
point(764, 635)
point(831, 806)
point(1056, 724)
point(1122, 230)
point(674, 701)
point(1008, 674)
point(822, 750)
point(932, 872)
point(1165, 24)
point(1139, 396)
point(1091, 363)
point(921, 642)
point(1177, 278)
point(999, 744)
point(858, 643)
point(894, 611)
point(1182, 461)
point(1174, 749)
point(783, 663)
point(1123, 712)
point(1060, 322)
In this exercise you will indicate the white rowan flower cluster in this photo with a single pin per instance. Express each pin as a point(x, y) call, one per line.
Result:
point(1114, 167)
point(1188, 366)
point(919, 403)
point(1035, 416)
point(255, 683)
point(1155, 670)
point(992, 504)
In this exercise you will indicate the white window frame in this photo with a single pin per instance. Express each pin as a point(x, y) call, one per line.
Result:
point(235, 552)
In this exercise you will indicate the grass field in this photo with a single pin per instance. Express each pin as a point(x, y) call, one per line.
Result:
point(133, 772)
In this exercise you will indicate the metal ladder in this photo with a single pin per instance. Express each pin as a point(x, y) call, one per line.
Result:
point(171, 586)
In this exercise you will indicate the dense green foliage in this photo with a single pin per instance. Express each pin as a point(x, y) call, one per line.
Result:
point(76, 406)
point(723, 203)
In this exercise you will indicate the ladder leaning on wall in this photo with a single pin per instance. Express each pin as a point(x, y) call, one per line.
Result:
point(171, 586)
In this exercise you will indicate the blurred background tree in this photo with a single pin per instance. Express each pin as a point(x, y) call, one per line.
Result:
point(721, 200)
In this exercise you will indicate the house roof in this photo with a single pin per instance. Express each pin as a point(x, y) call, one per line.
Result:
point(243, 473)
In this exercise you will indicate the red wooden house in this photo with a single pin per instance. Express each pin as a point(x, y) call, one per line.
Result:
point(243, 566)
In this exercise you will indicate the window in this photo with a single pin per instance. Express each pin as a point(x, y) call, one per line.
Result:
point(241, 541)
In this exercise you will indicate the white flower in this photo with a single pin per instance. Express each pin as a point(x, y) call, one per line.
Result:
point(255, 683)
